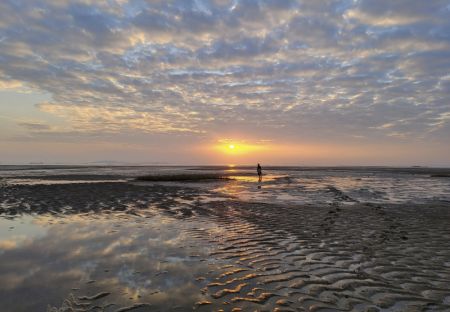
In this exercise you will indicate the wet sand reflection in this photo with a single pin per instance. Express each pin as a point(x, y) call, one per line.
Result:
point(135, 259)
point(163, 246)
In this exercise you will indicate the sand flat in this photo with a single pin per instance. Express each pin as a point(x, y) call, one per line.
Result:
point(119, 245)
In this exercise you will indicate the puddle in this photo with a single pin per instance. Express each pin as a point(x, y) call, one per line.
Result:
point(152, 260)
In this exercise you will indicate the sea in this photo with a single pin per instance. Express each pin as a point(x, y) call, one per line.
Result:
point(302, 185)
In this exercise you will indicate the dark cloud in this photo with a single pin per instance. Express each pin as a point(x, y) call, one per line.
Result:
point(33, 126)
point(409, 8)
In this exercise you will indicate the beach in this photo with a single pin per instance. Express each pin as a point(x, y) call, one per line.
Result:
point(304, 239)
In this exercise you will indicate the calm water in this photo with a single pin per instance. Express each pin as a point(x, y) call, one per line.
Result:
point(45, 260)
point(288, 184)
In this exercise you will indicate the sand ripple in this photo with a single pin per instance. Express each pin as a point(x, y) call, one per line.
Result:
point(336, 257)
point(331, 258)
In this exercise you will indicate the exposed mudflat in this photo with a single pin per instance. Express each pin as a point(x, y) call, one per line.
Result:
point(130, 246)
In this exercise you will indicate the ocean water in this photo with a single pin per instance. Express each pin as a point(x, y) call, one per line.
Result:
point(280, 184)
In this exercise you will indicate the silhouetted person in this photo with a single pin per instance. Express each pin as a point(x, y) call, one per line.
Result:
point(259, 170)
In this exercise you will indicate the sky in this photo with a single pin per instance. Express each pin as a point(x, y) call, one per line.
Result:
point(281, 82)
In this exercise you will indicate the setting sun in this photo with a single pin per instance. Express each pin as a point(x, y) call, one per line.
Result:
point(237, 148)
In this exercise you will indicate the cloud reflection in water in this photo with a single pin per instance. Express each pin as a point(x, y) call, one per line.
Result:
point(135, 259)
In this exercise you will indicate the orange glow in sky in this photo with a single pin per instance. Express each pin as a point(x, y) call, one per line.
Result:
point(249, 152)
point(236, 148)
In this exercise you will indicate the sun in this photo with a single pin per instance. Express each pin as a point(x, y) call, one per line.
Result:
point(237, 148)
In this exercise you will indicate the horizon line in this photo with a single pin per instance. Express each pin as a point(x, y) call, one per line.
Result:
point(124, 164)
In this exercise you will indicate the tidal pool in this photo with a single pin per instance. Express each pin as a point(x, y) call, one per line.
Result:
point(109, 261)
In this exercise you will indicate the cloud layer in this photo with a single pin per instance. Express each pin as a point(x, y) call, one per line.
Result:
point(321, 70)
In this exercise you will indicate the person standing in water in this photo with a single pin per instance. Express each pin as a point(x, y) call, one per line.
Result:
point(259, 170)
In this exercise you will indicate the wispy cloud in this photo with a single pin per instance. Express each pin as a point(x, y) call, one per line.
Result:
point(34, 126)
point(334, 68)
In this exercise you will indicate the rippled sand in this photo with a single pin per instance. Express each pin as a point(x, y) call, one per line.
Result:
point(162, 247)
point(362, 258)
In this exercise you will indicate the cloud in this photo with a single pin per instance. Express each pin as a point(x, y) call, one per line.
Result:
point(35, 126)
point(10, 84)
point(337, 68)
point(97, 119)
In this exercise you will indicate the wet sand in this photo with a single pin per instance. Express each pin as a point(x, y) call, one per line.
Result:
point(131, 246)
